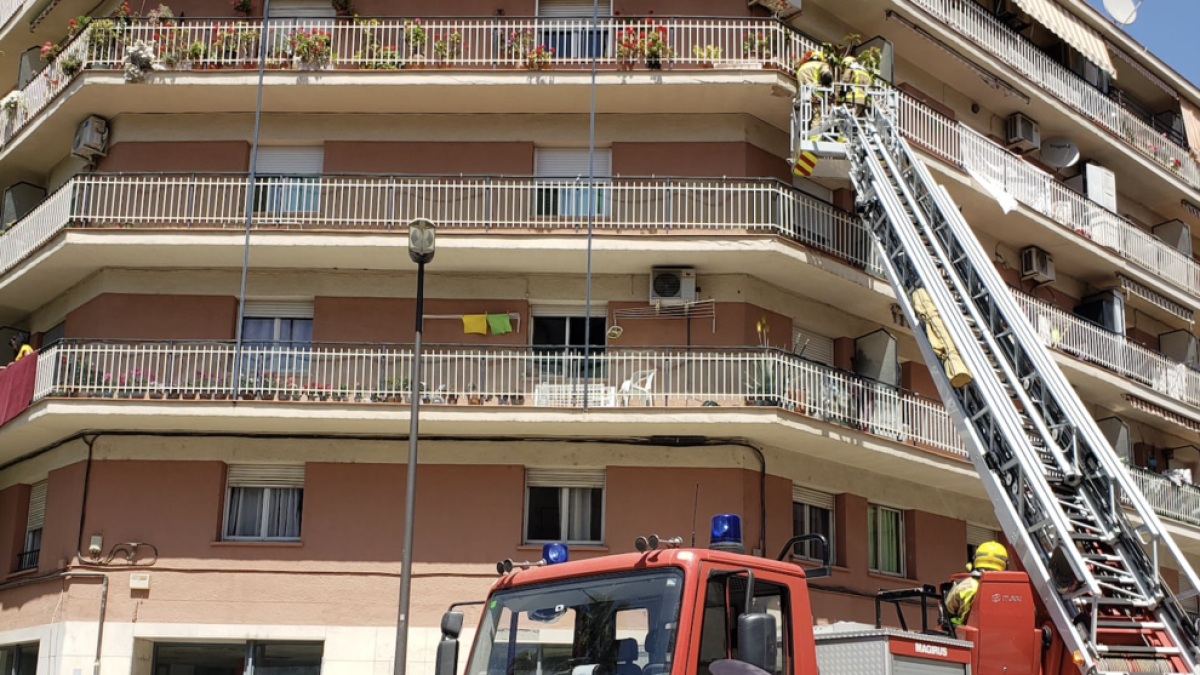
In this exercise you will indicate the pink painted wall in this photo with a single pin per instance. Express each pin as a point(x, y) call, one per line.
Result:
point(697, 159)
point(154, 317)
point(14, 514)
point(391, 320)
point(177, 156)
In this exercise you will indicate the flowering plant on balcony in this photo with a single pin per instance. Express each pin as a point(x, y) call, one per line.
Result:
point(160, 15)
point(243, 7)
point(139, 60)
point(519, 42)
point(757, 45)
point(50, 51)
point(311, 47)
point(77, 25)
point(414, 37)
point(629, 44)
point(343, 6)
point(381, 58)
point(539, 57)
point(655, 42)
point(124, 14)
point(447, 46)
point(707, 55)
point(171, 44)
point(102, 39)
point(13, 103)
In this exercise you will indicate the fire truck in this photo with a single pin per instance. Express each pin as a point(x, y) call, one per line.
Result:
point(1089, 598)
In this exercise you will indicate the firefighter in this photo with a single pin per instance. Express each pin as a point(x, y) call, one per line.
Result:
point(855, 79)
point(814, 70)
point(988, 556)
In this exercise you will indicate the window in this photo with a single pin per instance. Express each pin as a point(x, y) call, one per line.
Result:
point(564, 505)
point(812, 513)
point(885, 540)
point(277, 336)
point(19, 659)
point(724, 602)
point(263, 502)
point(559, 334)
point(564, 171)
point(27, 559)
point(260, 658)
point(54, 335)
point(573, 38)
point(977, 535)
point(288, 180)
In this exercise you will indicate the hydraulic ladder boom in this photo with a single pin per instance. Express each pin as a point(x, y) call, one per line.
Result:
point(1057, 486)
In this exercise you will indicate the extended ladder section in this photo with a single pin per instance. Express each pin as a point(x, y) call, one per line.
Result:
point(1057, 486)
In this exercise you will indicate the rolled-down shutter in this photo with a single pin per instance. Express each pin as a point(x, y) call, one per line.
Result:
point(977, 534)
point(812, 497)
point(571, 163)
point(305, 160)
point(812, 346)
point(564, 478)
point(273, 309)
point(266, 475)
point(572, 9)
point(302, 9)
point(598, 309)
point(37, 506)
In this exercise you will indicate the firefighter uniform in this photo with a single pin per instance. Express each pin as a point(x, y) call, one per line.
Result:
point(814, 70)
point(989, 556)
point(855, 80)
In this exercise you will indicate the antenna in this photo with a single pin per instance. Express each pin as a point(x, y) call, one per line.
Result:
point(695, 510)
point(1123, 12)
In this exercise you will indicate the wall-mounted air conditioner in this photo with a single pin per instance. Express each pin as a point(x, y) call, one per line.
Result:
point(1117, 433)
point(1036, 265)
point(1106, 308)
point(91, 139)
point(1181, 346)
point(20, 199)
point(1024, 134)
point(672, 285)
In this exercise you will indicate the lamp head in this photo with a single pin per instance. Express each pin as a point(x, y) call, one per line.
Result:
point(422, 235)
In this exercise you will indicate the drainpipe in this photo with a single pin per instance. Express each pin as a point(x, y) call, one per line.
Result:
point(103, 609)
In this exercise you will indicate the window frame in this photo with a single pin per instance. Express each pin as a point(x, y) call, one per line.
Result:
point(902, 549)
point(831, 539)
point(14, 651)
point(709, 575)
point(564, 502)
point(269, 485)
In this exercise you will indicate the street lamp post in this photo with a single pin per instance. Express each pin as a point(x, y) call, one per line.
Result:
point(421, 240)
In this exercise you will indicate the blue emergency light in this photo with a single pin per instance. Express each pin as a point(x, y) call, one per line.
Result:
point(555, 553)
point(726, 533)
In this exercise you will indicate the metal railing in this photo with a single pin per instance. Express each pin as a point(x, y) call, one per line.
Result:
point(972, 21)
point(1177, 501)
point(28, 560)
point(1089, 342)
point(500, 204)
point(1045, 194)
point(8, 10)
point(503, 376)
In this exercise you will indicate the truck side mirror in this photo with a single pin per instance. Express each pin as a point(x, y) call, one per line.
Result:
point(756, 640)
point(446, 661)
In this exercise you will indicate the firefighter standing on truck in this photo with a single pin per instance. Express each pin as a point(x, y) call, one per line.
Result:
point(989, 556)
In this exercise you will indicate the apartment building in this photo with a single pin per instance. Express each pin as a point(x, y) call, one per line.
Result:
point(200, 474)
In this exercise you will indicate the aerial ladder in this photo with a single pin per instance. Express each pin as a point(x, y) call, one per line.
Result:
point(1057, 486)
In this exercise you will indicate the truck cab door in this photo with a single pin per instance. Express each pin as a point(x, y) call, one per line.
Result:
point(721, 600)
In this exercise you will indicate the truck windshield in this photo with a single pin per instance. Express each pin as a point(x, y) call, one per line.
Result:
point(624, 623)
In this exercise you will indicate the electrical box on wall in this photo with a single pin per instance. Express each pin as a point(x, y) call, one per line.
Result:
point(139, 581)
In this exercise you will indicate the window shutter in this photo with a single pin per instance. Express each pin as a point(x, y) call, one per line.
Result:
point(819, 348)
point(571, 163)
point(276, 309)
point(564, 478)
point(572, 9)
point(37, 506)
point(599, 309)
point(266, 475)
point(977, 535)
point(307, 160)
point(816, 498)
point(302, 9)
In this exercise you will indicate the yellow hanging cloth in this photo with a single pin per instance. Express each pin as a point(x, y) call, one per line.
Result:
point(475, 324)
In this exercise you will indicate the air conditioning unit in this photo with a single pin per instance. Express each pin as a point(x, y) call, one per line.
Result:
point(91, 139)
point(672, 285)
point(1036, 265)
point(19, 200)
point(1023, 133)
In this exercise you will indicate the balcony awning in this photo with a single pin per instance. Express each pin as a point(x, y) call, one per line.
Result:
point(1191, 124)
point(1063, 24)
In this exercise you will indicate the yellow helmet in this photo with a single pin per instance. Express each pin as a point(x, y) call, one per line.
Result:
point(990, 556)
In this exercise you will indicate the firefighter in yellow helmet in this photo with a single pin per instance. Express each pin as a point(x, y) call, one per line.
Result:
point(988, 556)
point(814, 70)
point(855, 79)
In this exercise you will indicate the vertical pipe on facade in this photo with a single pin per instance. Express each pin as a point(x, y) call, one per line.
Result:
point(251, 177)
point(587, 303)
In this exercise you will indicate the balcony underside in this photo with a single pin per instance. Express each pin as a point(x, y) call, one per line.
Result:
point(76, 254)
point(764, 94)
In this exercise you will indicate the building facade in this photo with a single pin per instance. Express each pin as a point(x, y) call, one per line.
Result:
point(202, 471)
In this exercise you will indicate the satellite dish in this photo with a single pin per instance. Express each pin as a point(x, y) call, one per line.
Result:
point(1059, 152)
point(1123, 12)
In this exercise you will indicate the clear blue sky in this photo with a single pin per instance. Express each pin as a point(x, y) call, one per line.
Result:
point(1170, 29)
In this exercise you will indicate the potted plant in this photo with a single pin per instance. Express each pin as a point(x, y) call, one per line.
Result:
point(539, 57)
point(102, 42)
point(756, 46)
point(763, 387)
point(707, 55)
point(13, 103)
point(414, 41)
point(139, 61)
point(193, 54)
point(379, 58)
point(656, 46)
point(311, 48)
point(224, 47)
point(242, 7)
point(518, 43)
point(447, 47)
point(247, 42)
point(248, 385)
point(630, 47)
point(343, 7)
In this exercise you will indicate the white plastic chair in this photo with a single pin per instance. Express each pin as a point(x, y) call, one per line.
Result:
point(638, 385)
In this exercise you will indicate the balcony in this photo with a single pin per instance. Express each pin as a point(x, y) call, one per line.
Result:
point(1179, 502)
point(471, 378)
point(1114, 352)
point(1041, 192)
point(973, 22)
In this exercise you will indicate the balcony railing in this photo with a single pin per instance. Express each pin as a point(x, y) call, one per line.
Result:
point(501, 204)
point(1091, 343)
point(624, 378)
point(1177, 501)
point(973, 22)
point(1043, 193)
point(383, 44)
point(28, 560)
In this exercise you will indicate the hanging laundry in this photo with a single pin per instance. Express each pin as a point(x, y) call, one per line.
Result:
point(475, 324)
point(499, 323)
